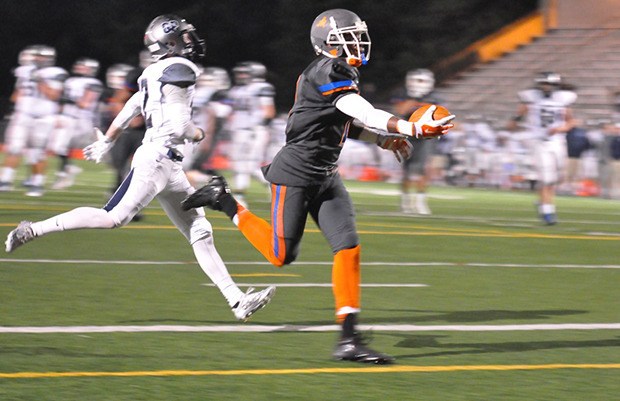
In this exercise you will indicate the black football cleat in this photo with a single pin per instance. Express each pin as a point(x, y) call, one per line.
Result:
point(354, 349)
point(208, 196)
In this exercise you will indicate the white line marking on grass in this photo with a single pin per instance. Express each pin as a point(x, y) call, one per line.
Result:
point(325, 285)
point(305, 264)
point(297, 328)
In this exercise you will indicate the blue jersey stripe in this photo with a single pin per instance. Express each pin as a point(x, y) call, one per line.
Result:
point(274, 220)
point(336, 85)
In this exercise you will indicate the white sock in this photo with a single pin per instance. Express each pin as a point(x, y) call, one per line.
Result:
point(8, 174)
point(547, 208)
point(212, 264)
point(82, 217)
point(38, 180)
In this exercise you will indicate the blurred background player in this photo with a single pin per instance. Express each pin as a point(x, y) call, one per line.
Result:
point(253, 108)
point(546, 114)
point(79, 115)
point(36, 99)
point(210, 110)
point(416, 171)
point(122, 82)
point(610, 152)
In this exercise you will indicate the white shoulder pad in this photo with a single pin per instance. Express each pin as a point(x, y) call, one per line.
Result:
point(529, 95)
point(565, 97)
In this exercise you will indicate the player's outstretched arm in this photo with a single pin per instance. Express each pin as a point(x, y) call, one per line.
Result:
point(399, 144)
point(356, 106)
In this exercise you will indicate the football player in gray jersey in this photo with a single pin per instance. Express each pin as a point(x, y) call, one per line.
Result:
point(304, 176)
point(164, 99)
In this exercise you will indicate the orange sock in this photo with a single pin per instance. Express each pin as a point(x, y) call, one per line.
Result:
point(261, 236)
point(346, 278)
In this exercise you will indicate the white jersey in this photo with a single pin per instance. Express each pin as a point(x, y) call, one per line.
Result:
point(26, 85)
point(247, 104)
point(74, 89)
point(545, 112)
point(31, 100)
point(158, 118)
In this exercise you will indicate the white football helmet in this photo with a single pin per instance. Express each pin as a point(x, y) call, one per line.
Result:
point(548, 82)
point(419, 82)
point(27, 56)
point(341, 33)
point(40, 55)
point(249, 71)
point(116, 74)
point(86, 67)
point(214, 77)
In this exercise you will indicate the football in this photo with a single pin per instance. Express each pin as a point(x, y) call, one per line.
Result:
point(439, 113)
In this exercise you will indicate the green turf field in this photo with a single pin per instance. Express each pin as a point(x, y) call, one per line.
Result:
point(477, 302)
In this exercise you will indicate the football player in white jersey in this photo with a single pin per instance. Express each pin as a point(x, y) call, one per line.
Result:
point(80, 105)
point(37, 95)
point(164, 99)
point(253, 106)
point(545, 112)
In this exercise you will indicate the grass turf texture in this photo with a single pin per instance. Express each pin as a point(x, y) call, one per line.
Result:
point(483, 257)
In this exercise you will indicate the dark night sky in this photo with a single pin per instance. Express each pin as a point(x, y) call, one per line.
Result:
point(405, 34)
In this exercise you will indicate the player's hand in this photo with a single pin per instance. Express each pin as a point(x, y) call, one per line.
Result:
point(199, 135)
point(426, 127)
point(96, 150)
point(398, 144)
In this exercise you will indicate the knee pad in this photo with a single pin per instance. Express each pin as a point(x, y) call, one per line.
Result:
point(200, 229)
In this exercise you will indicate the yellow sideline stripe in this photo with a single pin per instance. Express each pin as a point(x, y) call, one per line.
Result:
point(262, 372)
point(455, 233)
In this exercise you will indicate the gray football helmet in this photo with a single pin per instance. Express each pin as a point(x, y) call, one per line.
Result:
point(214, 77)
point(26, 56)
point(548, 82)
point(40, 55)
point(86, 67)
point(341, 33)
point(419, 82)
point(169, 35)
point(116, 74)
point(249, 71)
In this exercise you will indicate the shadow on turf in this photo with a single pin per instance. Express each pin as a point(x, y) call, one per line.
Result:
point(451, 349)
point(408, 316)
point(421, 316)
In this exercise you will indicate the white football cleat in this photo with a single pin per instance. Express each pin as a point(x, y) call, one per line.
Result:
point(421, 206)
point(35, 191)
point(19, 236)
point(252, 301)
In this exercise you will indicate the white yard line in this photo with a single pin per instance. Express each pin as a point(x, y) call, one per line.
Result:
point(301, 263)
point(241, 328)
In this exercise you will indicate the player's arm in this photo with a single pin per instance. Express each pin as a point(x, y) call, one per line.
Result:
point(519, 116)
point(267, 105)
point(96, 150)
point(179, 113)
point(357, 107)
point(176, 79)
point(568, 124)
point(90, 97)
point(399, 144)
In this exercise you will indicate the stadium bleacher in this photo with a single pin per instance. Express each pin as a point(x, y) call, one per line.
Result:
point(588, 59)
